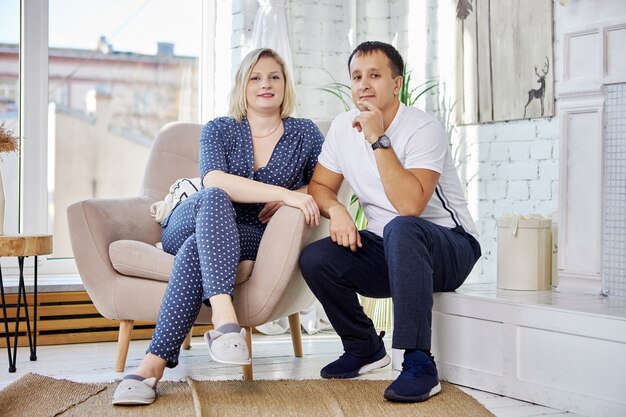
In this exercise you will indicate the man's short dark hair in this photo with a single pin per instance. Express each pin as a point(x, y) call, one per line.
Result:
point(396, 63)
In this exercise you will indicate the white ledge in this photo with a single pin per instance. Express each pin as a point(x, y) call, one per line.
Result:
point(546, 347)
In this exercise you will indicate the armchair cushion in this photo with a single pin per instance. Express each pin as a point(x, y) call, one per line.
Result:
point(140, 259)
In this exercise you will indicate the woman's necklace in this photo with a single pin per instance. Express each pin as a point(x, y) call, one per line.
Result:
point(267, 134)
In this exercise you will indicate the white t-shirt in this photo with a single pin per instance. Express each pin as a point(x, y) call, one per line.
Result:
point(419, 141)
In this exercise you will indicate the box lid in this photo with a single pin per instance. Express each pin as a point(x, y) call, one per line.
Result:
point(533, 221)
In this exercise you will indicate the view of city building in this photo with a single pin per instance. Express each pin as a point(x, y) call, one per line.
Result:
point(105, 107)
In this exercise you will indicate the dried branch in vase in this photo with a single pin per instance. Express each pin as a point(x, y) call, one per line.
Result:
point(463, 9)
point(8, 142)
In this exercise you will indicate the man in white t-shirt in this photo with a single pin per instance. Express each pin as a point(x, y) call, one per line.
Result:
point(420, 236)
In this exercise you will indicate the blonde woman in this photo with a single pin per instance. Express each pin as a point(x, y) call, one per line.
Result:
point(250, 163)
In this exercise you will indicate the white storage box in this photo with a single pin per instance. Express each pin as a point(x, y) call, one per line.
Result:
point(524, 253)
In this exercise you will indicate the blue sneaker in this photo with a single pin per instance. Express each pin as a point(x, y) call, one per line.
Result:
point(418, 380)
point(350, 366)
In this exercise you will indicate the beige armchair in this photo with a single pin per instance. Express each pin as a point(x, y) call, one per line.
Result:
point(125, 274)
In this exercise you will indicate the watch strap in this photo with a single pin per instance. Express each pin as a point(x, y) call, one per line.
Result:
point(378, 144)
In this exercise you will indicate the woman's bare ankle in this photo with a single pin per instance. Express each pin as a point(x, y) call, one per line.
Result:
point(151, 366)
point(219, 323)
point(223, 310)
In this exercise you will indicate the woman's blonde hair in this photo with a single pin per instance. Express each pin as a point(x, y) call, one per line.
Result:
point(238, 105)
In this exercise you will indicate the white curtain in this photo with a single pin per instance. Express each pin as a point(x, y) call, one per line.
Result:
point(271, 30)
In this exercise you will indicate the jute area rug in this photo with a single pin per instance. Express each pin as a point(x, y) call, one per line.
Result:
point(41, 396)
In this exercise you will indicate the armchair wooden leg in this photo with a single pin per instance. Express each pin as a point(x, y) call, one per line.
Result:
point(296, 334)
point(123, 342)
point(187, 342)
point(247, 369)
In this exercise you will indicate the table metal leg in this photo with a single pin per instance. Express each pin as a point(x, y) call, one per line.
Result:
point(33, 352)
point(26, 313)
point(13, 246)
point(12, 367)
point(6, 325)
point(21, 296)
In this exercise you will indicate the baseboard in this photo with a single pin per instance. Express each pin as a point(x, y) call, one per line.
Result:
point(558, 350)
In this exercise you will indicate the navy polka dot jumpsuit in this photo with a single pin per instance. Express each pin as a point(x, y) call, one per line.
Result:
point(210, 235)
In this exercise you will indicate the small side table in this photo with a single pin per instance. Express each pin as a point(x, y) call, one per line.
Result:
point(22, 246)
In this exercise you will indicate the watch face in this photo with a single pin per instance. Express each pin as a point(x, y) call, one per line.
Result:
point(385, 142)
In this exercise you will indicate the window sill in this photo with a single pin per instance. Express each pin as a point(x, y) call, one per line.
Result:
point(45, 283)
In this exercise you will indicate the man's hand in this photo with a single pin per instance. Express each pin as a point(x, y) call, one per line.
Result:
point(343, 231)
point(369, 121)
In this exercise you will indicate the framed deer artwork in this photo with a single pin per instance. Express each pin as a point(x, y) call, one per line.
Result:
point(504, 61)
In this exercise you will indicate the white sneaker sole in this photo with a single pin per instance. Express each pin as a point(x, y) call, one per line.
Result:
point(381, 363)
point(436, 390)
point(392, 396)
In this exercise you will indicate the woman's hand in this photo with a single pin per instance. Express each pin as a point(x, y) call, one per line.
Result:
point(304, 202)
point(268, 211)
point(343, 231)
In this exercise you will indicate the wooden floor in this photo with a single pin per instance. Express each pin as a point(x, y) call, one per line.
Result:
point(273, 359)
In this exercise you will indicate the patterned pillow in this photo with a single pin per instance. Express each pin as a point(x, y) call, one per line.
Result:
point(182, 189)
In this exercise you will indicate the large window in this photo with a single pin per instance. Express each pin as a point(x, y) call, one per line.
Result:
point(116, 75)
point(9, 106)
point(86, 87)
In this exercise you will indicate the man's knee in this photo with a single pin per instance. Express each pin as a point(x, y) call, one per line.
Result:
point(403, 225)
point(309, 260)
point(315, 257)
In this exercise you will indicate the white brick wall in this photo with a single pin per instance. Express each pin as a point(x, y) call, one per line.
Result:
point(243, 14)
point(506, 166)
point(320, 49)
point(519, 175)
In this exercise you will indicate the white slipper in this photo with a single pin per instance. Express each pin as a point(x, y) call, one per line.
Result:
point(134, 390)
point(230, 348)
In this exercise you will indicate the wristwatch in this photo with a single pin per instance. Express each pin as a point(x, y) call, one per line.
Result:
point(382, 142)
